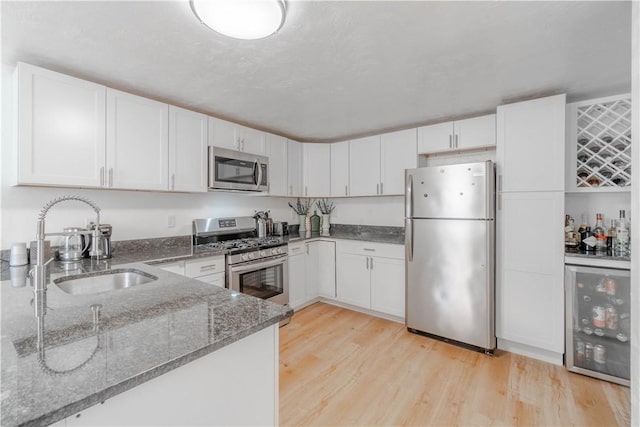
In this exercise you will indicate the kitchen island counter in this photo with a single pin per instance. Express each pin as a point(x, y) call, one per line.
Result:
point(93, 347)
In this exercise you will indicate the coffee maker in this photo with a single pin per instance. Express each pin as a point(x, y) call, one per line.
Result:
point(103, 243)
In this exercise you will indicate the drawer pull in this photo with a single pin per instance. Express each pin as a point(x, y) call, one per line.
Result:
point(369, 249)
point(208, 267)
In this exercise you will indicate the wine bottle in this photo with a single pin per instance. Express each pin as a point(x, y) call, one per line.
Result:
point(583, 223)
point(600, 233)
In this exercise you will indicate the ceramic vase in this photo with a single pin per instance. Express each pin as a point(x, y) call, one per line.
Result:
point(303, 223)
point(325, 224)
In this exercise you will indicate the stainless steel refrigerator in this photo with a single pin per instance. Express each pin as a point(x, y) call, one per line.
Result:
point(450, 253)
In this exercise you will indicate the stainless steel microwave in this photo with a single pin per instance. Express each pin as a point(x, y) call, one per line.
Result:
point(235, 170)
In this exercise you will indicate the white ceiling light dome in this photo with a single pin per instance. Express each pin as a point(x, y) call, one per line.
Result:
point(241, 19)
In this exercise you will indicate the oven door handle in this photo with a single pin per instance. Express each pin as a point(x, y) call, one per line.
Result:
point(262, 263)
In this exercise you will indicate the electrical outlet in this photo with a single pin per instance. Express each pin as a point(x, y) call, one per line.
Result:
point(172, 221)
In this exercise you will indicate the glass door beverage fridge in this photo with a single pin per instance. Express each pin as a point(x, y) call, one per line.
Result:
point(598, 322)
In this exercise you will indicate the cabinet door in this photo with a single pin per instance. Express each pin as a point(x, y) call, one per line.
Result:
point(297, 280)
point(475, 133)
point(316, 166)
point(397, 152)
point(61, 129)
point(364, 166)
point(325, 253)
point(340, 169)
point(530, 145)
point(251, 140)
point(387, 285)
point(435, 138)
point(294, 165)
point(137, 142)
point(277, 153)
point(223, 134)
point(313, 270)
point(353, 281)
point(187, 150)
point(529, 260)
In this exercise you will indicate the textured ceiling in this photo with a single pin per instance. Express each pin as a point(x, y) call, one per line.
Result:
point(335, 69)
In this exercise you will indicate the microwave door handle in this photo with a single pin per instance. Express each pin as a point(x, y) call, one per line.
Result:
point(259, 167)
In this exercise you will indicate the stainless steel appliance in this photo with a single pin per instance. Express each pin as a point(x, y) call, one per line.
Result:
point(598, 322)
point(103, 244)
point(75, 244)
point(255, 266)
point(280, 228)
point(235, 170)
point(450, 241)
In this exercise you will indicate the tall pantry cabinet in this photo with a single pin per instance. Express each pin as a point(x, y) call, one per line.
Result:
point(530, 223)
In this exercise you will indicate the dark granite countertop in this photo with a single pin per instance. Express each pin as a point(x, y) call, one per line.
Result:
point(142, 332)
point(377, 234)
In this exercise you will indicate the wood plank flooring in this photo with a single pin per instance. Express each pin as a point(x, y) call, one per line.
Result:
point(339, 367)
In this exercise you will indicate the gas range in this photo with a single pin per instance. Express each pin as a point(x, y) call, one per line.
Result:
point(237, 236)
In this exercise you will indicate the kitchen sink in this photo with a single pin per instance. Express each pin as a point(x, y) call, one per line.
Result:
point(103, 281)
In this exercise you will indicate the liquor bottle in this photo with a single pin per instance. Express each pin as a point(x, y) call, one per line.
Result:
point(621, 247)
point(611, 236)
point(600, 233)
point(583, 223)
point(587, 240)
point(315, 222)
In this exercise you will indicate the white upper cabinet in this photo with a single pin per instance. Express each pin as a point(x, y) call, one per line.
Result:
point(61, 129)
point(530, 151)
point(477, 132)
point(316, 168)
point(251, 140)
point(364, 166)
point(137, 142)
point(235, 137)
point(340, 169)
point(398, 152)
point(187, 150)
point(294, 167)
point(277, 153)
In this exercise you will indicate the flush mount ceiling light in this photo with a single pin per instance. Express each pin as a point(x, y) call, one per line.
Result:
point(241, 19)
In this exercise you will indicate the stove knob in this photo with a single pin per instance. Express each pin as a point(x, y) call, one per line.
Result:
point(251, 255)
point(245, 257)
point(263, 253)
point(280, 251)
point(274, 251)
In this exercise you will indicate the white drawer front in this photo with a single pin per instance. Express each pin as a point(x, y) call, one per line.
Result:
point(216, 279)
point(204, 266)
point(297, 248)
point(384, 250)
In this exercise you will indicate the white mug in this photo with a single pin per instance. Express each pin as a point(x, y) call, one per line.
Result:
point(18, 254)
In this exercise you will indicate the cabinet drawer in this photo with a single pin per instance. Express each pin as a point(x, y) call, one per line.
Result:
point(174, 267)
point(297, 248)
point(385, 250)
point(205, 266)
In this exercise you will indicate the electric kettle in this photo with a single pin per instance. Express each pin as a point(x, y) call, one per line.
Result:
point(73, 245)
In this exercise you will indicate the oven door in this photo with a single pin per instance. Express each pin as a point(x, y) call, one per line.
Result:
point(266, 278)
point(235, 170)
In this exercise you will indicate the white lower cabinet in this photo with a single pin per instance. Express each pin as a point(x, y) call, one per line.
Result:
point(371, 276)
point(210, 269)
point(311, 272)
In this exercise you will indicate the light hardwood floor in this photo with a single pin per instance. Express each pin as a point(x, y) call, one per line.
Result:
point(339, 367)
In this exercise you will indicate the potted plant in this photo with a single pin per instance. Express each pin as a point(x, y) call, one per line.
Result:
point(302, 209)
point(326, 207)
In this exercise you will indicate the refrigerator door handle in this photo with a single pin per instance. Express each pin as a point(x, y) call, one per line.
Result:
point(408, 198)
point(408, 236)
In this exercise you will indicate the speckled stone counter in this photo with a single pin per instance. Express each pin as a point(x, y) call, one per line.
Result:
point(140, 333)
point(368, 233)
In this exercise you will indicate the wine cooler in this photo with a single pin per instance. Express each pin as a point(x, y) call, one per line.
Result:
point(598, 322)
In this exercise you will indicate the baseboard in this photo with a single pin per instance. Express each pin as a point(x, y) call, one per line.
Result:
point(533, 352)
point(362, 310)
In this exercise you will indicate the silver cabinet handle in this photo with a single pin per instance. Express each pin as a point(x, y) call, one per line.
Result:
point(306, 191)
point(371, 263)
point(102, 176)
point(173, 181)
point(499, 202)
point(369, 249)
point(450, 141)
point(367, 263)
point(456, 141)
point(500, 182)
point(307, 248)
point(346, 190)
point(381, 188)
point(110, 177)
point(208, 267)
point(378, 189)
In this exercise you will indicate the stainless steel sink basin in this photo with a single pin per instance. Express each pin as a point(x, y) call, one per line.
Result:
point(103, 281)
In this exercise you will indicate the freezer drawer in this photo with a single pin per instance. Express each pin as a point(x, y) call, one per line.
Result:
point(450, 279)
point(598, 322)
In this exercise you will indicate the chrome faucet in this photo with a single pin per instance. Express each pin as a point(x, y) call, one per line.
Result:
point(38, 272)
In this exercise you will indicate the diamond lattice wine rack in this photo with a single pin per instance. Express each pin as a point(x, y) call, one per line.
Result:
point(603, 150)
